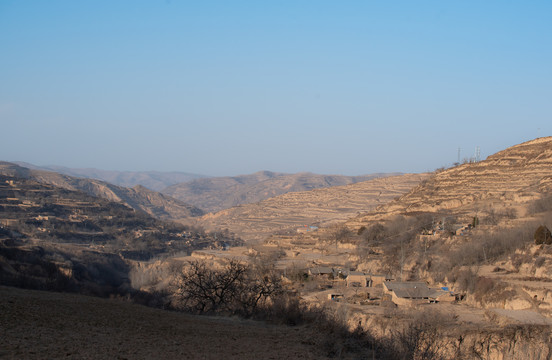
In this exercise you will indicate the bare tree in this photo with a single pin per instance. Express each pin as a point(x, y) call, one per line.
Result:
point(234, 288)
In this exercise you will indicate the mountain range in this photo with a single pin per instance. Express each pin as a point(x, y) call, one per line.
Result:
point(154, 180)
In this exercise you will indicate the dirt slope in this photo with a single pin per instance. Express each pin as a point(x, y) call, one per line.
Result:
point(215, 194)
point(317, 207)
point(520, 173)
point(44, 325)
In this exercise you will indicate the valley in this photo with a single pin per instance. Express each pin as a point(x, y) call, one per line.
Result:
point(451, 252)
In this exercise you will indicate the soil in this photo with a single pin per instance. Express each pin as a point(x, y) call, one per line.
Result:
point(46, 325)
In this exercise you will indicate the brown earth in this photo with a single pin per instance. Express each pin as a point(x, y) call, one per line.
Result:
point(294, 210)
point(508, 178)
point(139, 198)
point(44, 325)
point(215, 194)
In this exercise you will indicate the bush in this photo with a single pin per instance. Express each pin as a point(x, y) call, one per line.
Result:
point(374, 234)
point(543, 236)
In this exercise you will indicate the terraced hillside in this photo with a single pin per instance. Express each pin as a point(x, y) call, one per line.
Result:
point(154, 180)
point(215, 194)
point(520, 173)
point(139, 198)
point(319, 207)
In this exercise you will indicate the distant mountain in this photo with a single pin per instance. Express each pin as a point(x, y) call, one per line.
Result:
point(156, 204)
point(218, 193)
point(154, 180)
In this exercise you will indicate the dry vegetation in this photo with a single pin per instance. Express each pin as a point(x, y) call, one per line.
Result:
point(500, 266)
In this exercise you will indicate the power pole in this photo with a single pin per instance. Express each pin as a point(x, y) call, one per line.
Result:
point(402, 259)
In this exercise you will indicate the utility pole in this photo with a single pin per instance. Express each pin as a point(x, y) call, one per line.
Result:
point(402, 259)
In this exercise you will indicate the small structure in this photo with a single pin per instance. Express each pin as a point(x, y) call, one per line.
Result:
point(378, 280)
point(407, 293)
point(358, 279)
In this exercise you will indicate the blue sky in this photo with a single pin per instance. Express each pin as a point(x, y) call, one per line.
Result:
point(233, 87)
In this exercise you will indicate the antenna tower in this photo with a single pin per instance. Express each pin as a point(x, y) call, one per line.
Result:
point(459, 155)
point(477, 154)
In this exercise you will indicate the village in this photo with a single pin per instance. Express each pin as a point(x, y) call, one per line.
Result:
point(328, 275)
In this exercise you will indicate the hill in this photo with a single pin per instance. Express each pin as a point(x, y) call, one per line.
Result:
point(59, 239)
point(513, 176)
point(470, 227)
point(294, 210)
point(138, 197)
point(154, 180)
point(37, 324)
point(215, 194)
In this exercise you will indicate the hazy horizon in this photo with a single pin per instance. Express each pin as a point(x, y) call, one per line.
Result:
point(227, 88)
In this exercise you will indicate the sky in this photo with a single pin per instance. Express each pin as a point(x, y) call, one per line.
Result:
point(223, 88)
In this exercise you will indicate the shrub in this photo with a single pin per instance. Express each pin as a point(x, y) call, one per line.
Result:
point(543, 236)
point(374, 234)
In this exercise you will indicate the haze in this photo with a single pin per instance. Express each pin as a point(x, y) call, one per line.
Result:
point(225, 88)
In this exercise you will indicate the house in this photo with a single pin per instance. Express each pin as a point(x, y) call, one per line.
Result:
point(407, 293)
point(378, 280)
point(358, 279)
